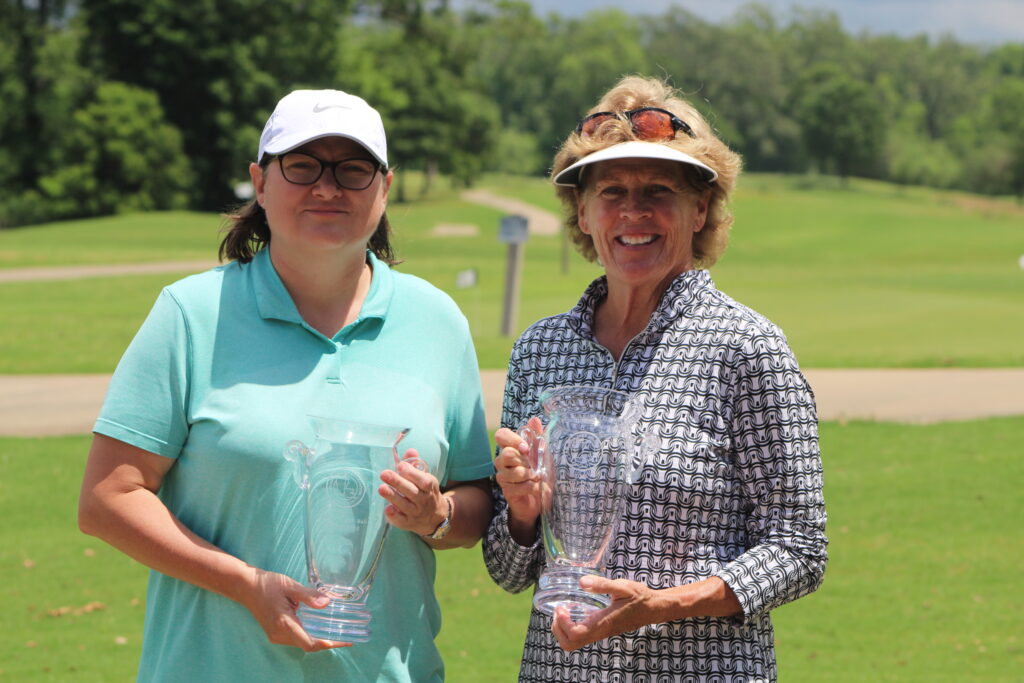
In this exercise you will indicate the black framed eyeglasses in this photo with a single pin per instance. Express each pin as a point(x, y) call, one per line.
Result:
point(301, 168)
point(649, 123)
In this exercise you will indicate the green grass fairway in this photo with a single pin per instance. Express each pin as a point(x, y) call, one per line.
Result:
point(923, 582)
point(73, 326)
point(130, 238)
point(877, 275)
point(866, 275)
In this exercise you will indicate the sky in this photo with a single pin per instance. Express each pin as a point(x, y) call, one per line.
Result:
point(983, 22)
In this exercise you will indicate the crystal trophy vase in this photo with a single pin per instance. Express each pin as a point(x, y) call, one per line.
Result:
point(586, 459)
point(345, 524)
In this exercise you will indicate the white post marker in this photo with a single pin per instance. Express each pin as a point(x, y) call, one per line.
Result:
point(467, 279)
point(244, 191)
point(513, 231)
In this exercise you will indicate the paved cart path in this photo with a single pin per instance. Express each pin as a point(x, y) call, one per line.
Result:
point(41, 273)
point(46, 405)
point(541, 222)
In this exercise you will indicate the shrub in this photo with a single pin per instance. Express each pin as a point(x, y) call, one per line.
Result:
point(121, 155)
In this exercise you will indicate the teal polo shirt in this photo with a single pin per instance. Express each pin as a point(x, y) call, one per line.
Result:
point(222, 375)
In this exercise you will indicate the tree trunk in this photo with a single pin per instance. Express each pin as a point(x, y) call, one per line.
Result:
point(429, 175)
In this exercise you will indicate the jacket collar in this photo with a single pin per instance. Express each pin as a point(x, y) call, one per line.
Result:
point(689, 288)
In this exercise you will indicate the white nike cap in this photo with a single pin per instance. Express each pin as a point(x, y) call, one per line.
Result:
point(305, 115)
point(634, 149)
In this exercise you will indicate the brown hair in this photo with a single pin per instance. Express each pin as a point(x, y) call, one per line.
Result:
point(246, 232)
point(633, 92)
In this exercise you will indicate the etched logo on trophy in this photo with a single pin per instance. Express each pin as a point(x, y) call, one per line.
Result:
point(581, 450)
point(348, 489)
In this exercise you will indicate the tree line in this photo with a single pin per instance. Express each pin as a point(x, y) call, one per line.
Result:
point(115, 105)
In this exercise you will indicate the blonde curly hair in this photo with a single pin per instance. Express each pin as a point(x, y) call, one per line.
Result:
point(633, 92)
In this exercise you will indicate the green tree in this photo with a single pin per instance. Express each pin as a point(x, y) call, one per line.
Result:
point(218, 67)
point(474, 138)
point(1006, 113)
point(944, 77)
point(120, 155)
point(595, 52)
point(739, 74)
point(40, 82)
point(1007, 60)
point(913, 158)
point(514, 52)
point(840, 119)
point(412, 65)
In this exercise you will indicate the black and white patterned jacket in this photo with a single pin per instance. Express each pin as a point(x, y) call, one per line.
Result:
point(735, 490)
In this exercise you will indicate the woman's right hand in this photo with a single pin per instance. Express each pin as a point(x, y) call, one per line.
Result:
point(273, 600)
point(519, 482)
point(119, 504)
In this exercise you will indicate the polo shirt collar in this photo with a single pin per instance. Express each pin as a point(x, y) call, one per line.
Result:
point(274, 302)
point(382, 289)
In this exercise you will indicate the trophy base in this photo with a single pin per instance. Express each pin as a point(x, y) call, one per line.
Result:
point(561, 588)
point(346, 622)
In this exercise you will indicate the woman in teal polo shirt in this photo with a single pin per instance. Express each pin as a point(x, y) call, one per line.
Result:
point(186, 472)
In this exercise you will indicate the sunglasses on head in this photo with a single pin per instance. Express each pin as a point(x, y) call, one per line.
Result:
point(649, 123)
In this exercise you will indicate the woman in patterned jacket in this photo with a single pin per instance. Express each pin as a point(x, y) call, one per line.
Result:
point(726, 521)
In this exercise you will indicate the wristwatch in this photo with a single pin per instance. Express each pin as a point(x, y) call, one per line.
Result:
point(445, 526)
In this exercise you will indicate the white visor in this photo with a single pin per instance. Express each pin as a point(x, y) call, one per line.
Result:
point(634, 149)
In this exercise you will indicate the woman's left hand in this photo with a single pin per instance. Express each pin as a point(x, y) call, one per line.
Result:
point(633, 606)
point(417, 504)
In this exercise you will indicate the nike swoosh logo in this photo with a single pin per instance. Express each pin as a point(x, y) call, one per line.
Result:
point(317, 108)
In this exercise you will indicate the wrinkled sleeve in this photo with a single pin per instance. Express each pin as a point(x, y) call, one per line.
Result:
point(511, 566)
point(774, 428)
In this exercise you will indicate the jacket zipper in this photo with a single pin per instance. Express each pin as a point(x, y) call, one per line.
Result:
point(615, 364)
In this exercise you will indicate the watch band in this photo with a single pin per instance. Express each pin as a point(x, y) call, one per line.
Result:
point(445, 526)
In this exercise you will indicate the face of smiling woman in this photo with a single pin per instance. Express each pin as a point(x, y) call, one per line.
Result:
point(321, 216)
point(642, 216)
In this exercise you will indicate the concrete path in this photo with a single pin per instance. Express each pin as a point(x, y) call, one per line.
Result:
point(46, 405)
point(541, 222)
point(40, 273)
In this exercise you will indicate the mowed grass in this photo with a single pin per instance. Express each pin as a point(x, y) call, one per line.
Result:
point(923, 583)
point(99, 316)
point(862, 275)
point(877, 275)
point(131, 238)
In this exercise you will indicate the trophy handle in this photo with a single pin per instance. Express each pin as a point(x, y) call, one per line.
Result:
point(538, 448)
point(296, 453)
point(647, 444)
point(417, 462)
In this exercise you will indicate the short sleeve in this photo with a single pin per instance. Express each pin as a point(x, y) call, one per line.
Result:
point(469, 448)
point(146, 402)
